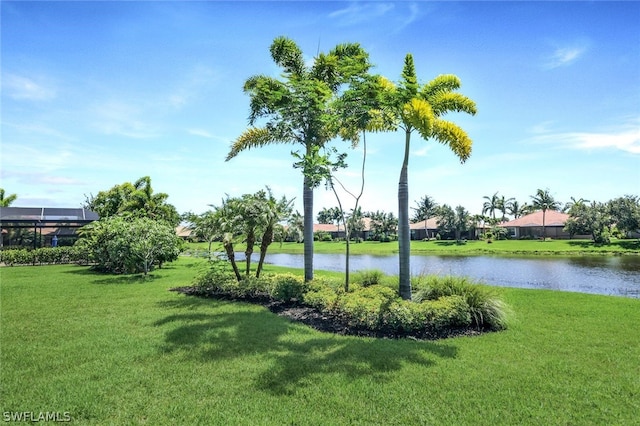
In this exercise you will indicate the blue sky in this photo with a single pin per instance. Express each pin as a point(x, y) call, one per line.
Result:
point(95, 94)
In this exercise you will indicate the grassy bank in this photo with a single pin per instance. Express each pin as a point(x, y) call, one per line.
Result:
point(125, 350)
point(505, 247)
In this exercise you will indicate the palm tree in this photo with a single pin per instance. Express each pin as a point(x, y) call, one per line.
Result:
point(491, 205)
point(6, 201)
point(503, 203)
point(420, 108)
point(273, 212)
point(298, 110)
point(579, 202)
point(295, 229)
point(515, 209)
point(544, 201)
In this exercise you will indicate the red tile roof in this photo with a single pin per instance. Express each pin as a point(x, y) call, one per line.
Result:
point(552, 218)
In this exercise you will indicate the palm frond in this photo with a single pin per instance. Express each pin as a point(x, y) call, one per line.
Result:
point(254, 137)
point(444, 102)
point(441, 84)
point(452, 135)
point(417, 113)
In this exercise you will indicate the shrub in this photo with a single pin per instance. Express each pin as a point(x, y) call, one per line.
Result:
point(43, 255)
point(217, 279)
point(287, 287)
point(323, 296)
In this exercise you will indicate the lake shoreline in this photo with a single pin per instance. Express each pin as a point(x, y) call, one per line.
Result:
point(506, 248)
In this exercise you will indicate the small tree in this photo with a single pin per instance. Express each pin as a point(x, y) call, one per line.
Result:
point(128, 245)
point(625, 212)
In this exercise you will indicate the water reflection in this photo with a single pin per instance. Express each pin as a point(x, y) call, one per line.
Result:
point(611, 275)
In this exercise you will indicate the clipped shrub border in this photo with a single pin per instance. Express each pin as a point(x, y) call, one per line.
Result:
point(374, 310)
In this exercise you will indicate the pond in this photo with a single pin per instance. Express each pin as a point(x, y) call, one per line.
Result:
point(610, 275)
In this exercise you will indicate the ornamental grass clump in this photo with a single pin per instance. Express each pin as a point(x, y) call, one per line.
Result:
point(485, 307)
point(369, 277)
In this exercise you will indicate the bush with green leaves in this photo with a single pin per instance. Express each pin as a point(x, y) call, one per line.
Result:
point(129, 245)
point(219, 280)
point(287, 287)
point(43, 255)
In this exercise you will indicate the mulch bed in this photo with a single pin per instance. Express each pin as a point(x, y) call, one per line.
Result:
point(299, 312)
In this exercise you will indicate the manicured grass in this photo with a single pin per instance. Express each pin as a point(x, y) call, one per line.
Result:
point(125, 350)
point(472, 247)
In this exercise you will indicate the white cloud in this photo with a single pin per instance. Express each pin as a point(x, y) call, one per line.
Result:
point(357, 13)
point(625, 138)
point(24, 88)
point(120, 118)
point(566, 55)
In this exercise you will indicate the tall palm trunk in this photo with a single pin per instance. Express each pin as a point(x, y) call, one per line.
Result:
point(307, 201)
point(404, 235)
point(544, 230)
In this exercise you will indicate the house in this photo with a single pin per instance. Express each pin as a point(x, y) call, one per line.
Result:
point(185, 233)
point(530, 226)
point(424, 229)
point(338, 232)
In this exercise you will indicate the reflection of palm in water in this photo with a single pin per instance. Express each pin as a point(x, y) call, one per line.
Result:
point(619, 275)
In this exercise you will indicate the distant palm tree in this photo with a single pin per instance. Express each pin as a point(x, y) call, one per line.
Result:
point(491, 205)
point(544, 201)
point(6, 201)
point(517, 210)
point(574, 202)
point(502, 206)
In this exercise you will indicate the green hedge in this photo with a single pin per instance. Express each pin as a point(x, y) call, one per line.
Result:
point(44, 256)
point(440, 303)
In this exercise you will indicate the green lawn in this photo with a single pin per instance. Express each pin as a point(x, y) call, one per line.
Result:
point(504, 247)
point(125, 350)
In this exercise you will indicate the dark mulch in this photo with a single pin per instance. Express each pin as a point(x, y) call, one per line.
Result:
point(299, 312)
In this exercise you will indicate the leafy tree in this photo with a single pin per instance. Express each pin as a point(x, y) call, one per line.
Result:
point(298, 109)
point(625, 212)
point(134, 200)
point(416, 108)
point(544, 201)
point(462, 221)
point(384, 226)
point(425, 208)
point(204, 227)
point(6, 200)
point(446, 219)
point(593, 219)
point(128, 245)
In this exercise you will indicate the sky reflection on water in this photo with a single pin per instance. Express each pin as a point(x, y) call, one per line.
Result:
point(610, 275)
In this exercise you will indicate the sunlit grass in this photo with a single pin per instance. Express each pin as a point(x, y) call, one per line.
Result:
point(125, 350)
point(472, 247)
